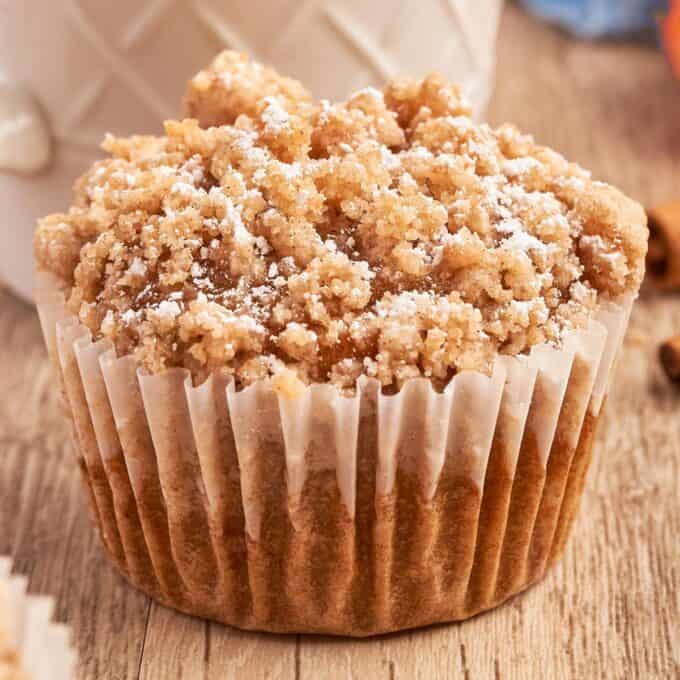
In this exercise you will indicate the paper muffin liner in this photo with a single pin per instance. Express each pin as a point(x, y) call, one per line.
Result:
point(326, 513)
point(31, 646)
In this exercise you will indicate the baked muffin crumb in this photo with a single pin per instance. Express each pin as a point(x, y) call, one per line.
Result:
point(387, 236)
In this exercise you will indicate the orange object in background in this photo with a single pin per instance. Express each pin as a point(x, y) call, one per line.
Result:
point(670, 34)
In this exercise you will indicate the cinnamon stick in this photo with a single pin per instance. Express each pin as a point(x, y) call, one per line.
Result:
point(663, 256)
point(669, 355)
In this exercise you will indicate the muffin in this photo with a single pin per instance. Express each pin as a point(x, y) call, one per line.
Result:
point(31, 646)
point(335, 368)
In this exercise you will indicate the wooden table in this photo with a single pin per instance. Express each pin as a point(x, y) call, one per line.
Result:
point(611, 609)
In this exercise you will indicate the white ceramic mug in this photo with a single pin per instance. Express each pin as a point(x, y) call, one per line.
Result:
point(72, 70)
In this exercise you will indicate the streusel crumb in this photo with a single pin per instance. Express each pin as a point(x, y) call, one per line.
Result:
point(10, 661)
point(234, 85)
point(387, 236)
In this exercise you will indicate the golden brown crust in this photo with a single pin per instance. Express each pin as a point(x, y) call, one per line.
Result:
point(387, 236)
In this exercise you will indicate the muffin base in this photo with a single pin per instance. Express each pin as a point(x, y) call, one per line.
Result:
point(422, 589)
point(346, 516)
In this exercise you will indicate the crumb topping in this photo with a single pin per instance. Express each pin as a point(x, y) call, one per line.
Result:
point(234, 85)
point(10, 663)
point(387, 236)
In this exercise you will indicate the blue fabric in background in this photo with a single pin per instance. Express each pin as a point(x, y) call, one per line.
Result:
point(599, 18)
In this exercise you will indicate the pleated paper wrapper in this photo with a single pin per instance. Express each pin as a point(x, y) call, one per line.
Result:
point(31, 646)
point(326, 513)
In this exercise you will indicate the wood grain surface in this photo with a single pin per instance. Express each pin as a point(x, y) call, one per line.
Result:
point(611, 609)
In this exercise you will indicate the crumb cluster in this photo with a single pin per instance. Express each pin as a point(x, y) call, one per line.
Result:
point(234, 85)
point(386, 236)
point(10, 664)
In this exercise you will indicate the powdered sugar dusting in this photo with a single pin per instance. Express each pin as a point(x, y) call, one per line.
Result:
point(275, 117)
point(388, 236)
